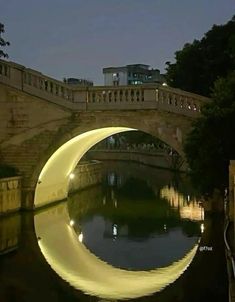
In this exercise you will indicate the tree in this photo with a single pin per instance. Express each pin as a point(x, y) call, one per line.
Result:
point(3, 43)
point(200, 63)
point(211, 143)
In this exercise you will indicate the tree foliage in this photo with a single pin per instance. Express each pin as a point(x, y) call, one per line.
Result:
point(211, 143)
point(200, 63)
point(3, 43)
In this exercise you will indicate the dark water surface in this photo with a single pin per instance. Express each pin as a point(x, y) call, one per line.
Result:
point(140, 218)
point(134, 224)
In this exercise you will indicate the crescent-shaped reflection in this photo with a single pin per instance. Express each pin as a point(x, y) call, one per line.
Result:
point(73, 262)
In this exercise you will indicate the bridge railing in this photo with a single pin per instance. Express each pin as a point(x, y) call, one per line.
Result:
point(32, 79)
point(149, 96)
point(35, 83)
point(154, 96)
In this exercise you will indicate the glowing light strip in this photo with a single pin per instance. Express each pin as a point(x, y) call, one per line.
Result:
point(55, 175)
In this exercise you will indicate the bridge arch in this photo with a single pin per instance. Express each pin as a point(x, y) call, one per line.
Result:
point(53, 181)
point(53, 174)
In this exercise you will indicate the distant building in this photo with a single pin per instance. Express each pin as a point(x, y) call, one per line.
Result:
point(131, 75)
point(80, 82)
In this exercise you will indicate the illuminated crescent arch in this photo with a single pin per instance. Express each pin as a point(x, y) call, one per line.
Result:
point(54, 179)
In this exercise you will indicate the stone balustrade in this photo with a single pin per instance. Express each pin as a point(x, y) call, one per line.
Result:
point(10, 194)
point(91, 98)
point(36, 84)
point(154, 96)
point(48, 85)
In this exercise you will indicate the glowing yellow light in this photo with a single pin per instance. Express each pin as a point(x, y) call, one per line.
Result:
point(202, 228)
point(71, 222)
point(80, 237)
point(71, 176)
point(192, 211)
point(164, 84)
point(65, 160)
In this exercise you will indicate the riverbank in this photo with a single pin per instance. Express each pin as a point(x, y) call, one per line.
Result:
point(153, 159)
point(86, 174)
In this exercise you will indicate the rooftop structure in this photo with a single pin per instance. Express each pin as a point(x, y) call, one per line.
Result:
point(80, 82)
point(133, 74)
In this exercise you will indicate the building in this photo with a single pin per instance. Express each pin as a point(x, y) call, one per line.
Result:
point(80, 82)
point(131, 75)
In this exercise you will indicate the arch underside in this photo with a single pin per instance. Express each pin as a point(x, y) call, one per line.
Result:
point(53, 181)
point(54, 178)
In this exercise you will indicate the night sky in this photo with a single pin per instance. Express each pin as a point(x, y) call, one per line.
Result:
point(77, 38)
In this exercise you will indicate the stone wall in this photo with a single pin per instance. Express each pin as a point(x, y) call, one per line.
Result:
point(86, 174)
point(155, 159)
point(10, 194)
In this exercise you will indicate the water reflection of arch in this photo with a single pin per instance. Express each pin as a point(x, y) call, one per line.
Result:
point(75, 264)
point(113, 205)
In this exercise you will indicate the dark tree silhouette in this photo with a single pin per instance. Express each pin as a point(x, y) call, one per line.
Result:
point(211, 143)
point(3, 43)
point(202, 62)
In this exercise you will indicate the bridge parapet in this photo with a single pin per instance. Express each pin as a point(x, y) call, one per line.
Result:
point(154, 96)
point(149, 96)
point(33, 79)
point(35, 83)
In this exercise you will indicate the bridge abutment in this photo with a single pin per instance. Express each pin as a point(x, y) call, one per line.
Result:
point(27, 202)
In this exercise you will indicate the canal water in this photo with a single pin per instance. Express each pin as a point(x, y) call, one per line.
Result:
point(141, 235)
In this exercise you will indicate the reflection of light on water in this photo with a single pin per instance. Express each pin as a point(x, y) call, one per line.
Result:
point(111, 179)
point(83, 270)
point(115, 231)
point(202, 228)
point(192, 211)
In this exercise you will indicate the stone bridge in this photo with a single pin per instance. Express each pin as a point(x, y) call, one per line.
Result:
point(46, 125)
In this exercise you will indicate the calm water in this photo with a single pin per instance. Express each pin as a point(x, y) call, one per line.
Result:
point(132, 224)
point(139, 218)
